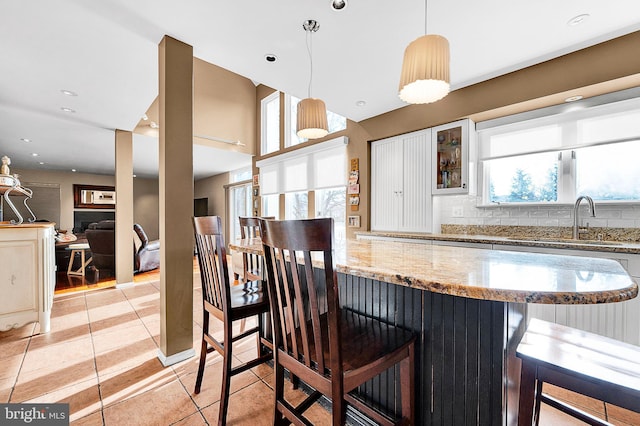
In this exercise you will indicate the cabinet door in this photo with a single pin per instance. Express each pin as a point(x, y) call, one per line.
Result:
point(416, 182)
point(451, 157)
point(386, 184)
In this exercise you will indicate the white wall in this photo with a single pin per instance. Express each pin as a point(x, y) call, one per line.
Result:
point(447, 208)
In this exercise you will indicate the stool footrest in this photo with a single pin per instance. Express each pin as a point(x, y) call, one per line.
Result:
point(573, 411)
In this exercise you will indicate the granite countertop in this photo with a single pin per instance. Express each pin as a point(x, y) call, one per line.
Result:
point(482, 274)
point(525, 241)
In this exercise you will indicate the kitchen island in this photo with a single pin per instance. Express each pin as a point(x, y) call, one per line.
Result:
point(468, 307)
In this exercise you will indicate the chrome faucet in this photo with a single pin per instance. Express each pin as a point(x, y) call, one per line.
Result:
point(592, 210)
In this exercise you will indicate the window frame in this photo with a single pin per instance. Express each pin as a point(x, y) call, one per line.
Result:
point(567, 151)
point(264, 120)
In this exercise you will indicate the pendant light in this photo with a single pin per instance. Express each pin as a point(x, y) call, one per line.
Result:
point(425, 68)
point(312, 112)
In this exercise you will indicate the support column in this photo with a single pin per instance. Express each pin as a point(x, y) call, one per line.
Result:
point(124, 208)
point(176, 200)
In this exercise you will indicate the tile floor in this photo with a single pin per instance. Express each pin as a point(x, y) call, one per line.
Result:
point(101, 358)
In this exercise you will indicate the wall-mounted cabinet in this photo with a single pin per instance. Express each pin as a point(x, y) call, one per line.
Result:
point(451, 146)
point(401, 182)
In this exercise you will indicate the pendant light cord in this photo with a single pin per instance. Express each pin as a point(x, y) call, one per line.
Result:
point(425, 16)
point(310, 52)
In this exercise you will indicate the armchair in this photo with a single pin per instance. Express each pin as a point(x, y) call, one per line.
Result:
point(147, 257)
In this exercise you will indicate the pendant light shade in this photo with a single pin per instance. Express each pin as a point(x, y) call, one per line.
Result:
point(425, 70)
point(312, 113)
point(312, 119)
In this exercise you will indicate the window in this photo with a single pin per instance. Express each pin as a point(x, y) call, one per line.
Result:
point(331, 202)
point(240, 175)
point(271, 205)
point(322, 168)
point(557, 158)
point(296, 205)
point(239, 205)
point(270, 112)
point(335, 121)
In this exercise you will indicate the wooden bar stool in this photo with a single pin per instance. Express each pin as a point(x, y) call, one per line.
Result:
point(582, 362)
point(332, 349)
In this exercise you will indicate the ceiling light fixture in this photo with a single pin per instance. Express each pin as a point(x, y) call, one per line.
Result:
point(34, 154)
point(25, 139)
point(73, 170)
point(361, 103)
point(217, 139)
point(573, 98)
point(270, 57)
point(577, 20)
point(68, 92)
point(425, 68)
point(145, 117)
point(154, 125)
point(312, 112)
point(66, 109)
point(338, 5)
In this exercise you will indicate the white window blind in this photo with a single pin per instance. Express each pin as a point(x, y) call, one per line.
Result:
point(313, 167)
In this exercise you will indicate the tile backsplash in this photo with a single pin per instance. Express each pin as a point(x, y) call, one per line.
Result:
point(463, 210)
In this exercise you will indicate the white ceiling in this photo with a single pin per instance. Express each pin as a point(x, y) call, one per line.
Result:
point(47, 46)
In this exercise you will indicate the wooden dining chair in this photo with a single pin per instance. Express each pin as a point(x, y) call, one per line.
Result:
point(226, 303)
point(332, 349)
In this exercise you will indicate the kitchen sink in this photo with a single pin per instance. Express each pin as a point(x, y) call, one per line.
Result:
point(568, 241)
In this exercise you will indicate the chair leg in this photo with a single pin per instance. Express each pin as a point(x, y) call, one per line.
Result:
point(203, 351)
point(407, 386)
point(278, 391)
point(536, 409)
point(527, 390)
point(226, 373)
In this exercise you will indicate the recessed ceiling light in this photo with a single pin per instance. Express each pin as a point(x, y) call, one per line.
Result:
point(25, 139)
point(66, 109)
point(68, 92)
point(338, 4)
point(361, 103)
point(573, 98)
point(73, 170)
point(41, 162)
point(134, 176)
point(270, 57)
point(153, 125)
point(145, 117)
point(34, 154)
point(576, 20)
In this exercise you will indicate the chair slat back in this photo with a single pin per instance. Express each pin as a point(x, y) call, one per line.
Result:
point(212, 260)
point(298, 297)
point(250, 228)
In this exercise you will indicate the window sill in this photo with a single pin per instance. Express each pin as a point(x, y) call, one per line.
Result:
point(613, 203)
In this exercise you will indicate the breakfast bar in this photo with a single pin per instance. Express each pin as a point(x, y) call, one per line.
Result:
point(468, 307)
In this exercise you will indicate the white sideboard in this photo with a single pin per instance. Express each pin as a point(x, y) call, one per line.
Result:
point(27, 275)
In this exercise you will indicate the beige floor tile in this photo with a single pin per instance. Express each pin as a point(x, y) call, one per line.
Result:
point(144, 409)
point(124, 357)
point(104, 297)
point(14, 334)
point(10, 366)
point(240, 412)
point(13, 347)
point(196, 419)
point(46, 380)
point(118, 337)
point(60, 333)
point(115, 322)
point(94, 419)
point(60, 355)
point(130, 382)
point(620, 416)
point(6, 385)
point(83, 398)
point(590, 405)
point(212, 383)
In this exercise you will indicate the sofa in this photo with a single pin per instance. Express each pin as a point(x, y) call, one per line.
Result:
point(101, 238)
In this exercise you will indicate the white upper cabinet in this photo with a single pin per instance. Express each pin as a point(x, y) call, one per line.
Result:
point(401, 183)
point(451, 149)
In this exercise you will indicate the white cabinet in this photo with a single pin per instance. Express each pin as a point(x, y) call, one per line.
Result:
point(401, 183)
point(619, 321)
point(453, 146)
point(27, 275)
